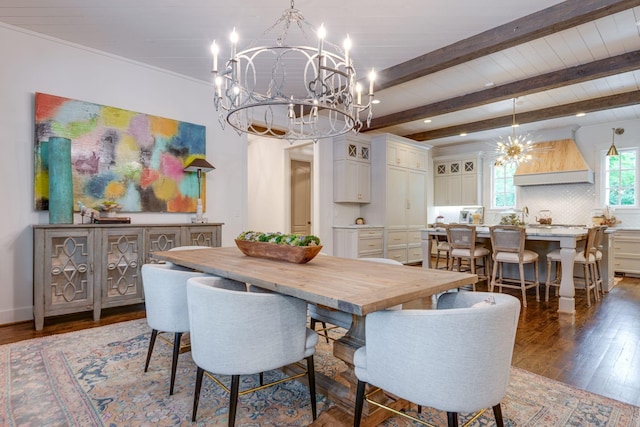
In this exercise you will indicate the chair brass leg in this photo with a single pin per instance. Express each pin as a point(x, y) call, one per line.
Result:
point(174, 362)
point(359, 403)
point(312, 385)
point(452, 419)
point(196, 393)
point(497, 413)
point(152, 342)
point(233, 399)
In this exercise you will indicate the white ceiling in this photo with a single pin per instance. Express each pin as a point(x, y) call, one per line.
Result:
point(176, 34)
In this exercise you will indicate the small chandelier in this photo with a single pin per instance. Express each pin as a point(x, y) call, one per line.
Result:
point(291, 92)
point(613, 151)
point(515, 149)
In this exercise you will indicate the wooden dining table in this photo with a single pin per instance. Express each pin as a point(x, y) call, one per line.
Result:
point(349, 285)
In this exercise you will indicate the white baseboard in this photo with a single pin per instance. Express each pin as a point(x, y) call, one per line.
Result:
point(16, 315)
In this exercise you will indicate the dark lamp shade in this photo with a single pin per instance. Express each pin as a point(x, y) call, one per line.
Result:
point(199, 164)
point(613, 151)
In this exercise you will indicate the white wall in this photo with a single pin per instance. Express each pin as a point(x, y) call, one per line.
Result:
point(33, 63)
point(266, 184)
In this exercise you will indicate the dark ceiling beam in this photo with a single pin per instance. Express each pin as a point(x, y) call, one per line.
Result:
point(556, 18)
point(555, 79)
point(596, 104)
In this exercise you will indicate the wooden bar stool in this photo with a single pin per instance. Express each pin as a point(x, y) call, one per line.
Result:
point(463, 246)
point(441, 245)
point(508, 248)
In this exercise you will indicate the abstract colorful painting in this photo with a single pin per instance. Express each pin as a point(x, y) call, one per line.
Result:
point(135, 160)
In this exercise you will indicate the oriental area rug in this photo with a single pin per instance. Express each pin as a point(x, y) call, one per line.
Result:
point(95, 377)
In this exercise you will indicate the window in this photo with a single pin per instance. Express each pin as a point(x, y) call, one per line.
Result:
point(620, 178)
point(504, 192)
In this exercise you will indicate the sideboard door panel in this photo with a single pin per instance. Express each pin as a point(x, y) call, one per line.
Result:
point(202, 236)
point(68, 271)
point(121, 279)
point(159, 239)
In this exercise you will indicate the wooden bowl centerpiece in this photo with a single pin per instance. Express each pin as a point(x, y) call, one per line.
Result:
point(278, 246)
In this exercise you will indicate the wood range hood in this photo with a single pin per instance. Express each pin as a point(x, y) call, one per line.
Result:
point(554, 162)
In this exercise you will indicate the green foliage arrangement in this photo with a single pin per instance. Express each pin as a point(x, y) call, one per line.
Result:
point(511, 219)
point(279, 238)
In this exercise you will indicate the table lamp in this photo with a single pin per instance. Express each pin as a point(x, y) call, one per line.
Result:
point(199, 165)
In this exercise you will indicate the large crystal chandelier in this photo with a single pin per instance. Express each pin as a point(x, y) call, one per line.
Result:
point(292, 92)
point(515, 149)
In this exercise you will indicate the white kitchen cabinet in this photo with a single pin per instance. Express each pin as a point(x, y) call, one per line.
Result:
point(358, 242)
point(406, 156)
point(352, 170)
point(626, 256)
point(398, 199)
point(456, 182)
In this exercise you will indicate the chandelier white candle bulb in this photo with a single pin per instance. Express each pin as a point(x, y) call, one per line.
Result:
point(292, 92)
point(234, 43)
point(372, 78)
point(215, 49)
point(346, 45)
point(359, 93)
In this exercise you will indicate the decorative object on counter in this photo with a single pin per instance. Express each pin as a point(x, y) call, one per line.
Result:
point(294, 248)
point(472, 215)
point(515, 149)
point(110, 208)
point(112, 220)
point(60, 181)
point(512, 217)
point(360, 221)
point(87, 212)
point(609, 218)
point(440, 219)
point(253, 84)
point(604, 217)
point(613, 151)
point(199, 166)
point(545, 217)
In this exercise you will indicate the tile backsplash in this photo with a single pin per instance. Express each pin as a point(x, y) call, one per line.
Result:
point(569, 204)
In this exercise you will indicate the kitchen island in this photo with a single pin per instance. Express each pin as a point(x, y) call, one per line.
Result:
point(540, 239)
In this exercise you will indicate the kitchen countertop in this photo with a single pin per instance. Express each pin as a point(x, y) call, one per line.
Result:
point(358, 226)
point(531, 230)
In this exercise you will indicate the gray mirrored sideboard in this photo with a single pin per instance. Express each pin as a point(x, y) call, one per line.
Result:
point(84, 267)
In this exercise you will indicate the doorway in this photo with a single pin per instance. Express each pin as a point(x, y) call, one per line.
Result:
point(300, 197)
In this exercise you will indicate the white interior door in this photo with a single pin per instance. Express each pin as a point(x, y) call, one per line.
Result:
point(300, 197)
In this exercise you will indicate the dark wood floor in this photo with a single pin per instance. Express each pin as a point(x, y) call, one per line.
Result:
point(597, 350)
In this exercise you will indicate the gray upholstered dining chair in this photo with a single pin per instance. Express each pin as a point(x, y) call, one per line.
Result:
point(456, 358)
point(165, 290)
point(326, 315)
point(243, 333)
